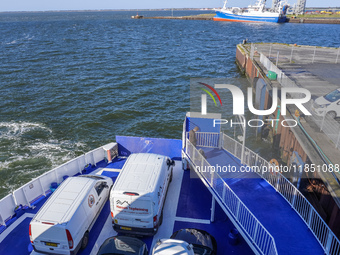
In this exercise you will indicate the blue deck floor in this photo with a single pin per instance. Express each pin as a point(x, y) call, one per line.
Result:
point(193, 204)
point(291, 234)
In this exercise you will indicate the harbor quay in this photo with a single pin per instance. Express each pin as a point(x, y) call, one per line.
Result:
point(211, 17)
point(315, 141)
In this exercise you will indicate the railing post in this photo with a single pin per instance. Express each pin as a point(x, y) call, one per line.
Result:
point(329, 242)
point(337, 56)
point(270, 50)
point(291, 55)
point(2, 222)
point(310, 216)
point(323, 120)
point(278, 181)
point(224, 192)
point(251, 51)
point(294, 198)
point(277, 58)
point(186, 146)
point(56, 174)
point(314, 54)
point(42, 188)
point(211, 178)
point(94, 161)
point(14, 198)
point(256, 164)
point(337, 143)
point(237, 209)
point(255, 231)
point(212, 216)
point(79, 167)
point(221, 141)
point(25, 195)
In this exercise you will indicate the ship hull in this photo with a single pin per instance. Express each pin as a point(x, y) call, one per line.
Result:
point(224, 16)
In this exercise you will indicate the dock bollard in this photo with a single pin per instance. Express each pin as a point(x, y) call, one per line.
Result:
point(234, 236)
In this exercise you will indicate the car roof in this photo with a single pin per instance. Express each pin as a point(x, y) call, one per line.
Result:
point(140, 173)
point(65, 200)
point(194, 237)
point(124, 245)
point(171, 246)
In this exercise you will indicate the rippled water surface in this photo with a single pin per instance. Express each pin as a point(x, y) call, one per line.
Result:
point(70, 82)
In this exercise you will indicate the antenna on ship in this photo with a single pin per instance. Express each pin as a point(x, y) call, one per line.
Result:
point(225, 3)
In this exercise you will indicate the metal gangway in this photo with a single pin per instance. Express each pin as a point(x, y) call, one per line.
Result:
point(264, 233)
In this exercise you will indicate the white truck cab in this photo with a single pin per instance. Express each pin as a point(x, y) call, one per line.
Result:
point(328, 104)
point(63, 223)
point(138, 195)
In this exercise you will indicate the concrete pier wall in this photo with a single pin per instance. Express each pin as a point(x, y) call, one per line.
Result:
point(284, 138)
point(287, 140)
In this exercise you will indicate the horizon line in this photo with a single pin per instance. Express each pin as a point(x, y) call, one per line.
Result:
point(146, 9)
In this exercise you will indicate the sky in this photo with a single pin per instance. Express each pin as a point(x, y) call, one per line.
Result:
point(45, 5)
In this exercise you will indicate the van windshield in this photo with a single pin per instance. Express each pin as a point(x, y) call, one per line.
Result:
point(333, 96)
point(95, 177)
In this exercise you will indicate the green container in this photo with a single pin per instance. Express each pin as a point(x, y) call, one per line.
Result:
point(272, 75)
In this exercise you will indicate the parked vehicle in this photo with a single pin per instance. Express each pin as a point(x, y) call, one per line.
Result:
point(172, 246)
point(138, 195)
point(63, 223)
point(123, 245)
point(202, 243)
point(327, 12)
point(328, 104)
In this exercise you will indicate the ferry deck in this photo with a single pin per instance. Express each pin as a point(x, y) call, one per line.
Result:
point(265, 209)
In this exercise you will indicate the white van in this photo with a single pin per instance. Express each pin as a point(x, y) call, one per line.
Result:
point(138, 195)
point(63, 223)
point(329, 104)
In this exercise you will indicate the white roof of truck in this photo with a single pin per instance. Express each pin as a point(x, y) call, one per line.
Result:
point(65, 200)
point(140, 173)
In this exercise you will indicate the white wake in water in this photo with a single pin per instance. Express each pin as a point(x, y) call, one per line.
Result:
point(25, 141)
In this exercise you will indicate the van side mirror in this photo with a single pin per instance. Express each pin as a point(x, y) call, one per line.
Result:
point(170, 162)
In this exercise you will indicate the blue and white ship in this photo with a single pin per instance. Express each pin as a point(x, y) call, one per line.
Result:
point(269, 213)
point(254, 13)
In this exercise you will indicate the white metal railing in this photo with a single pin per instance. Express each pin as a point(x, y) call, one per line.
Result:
point(299, 54)
point(40, 186)
point(208, 139)
point(326, 123)
point(257, 234)
point(291, 194)
point(282, 78)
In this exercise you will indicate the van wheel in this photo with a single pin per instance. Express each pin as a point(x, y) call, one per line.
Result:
point(85, 240)
point(331, 114)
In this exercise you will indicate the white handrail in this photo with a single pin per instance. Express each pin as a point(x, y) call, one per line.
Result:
point(208, 139)
point(40, 185)
point(245, 219)
point(325, 236)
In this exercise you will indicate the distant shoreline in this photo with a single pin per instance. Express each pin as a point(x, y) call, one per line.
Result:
point(114, 10)
point(140, 10)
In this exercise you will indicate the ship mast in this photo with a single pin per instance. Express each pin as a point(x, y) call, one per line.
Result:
point(225, 3)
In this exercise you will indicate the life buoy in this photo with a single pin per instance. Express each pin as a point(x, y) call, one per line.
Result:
point(273, 163)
